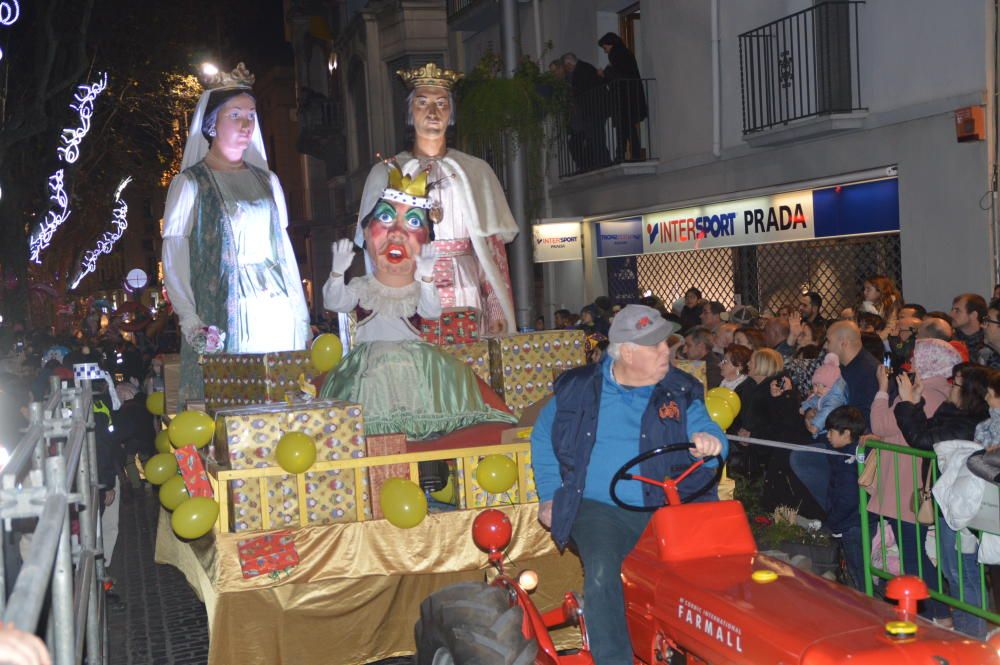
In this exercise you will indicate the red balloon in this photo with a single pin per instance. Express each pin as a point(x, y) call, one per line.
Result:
point(491, 530)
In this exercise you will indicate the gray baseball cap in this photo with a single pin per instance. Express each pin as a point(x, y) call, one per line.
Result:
point(640, 325)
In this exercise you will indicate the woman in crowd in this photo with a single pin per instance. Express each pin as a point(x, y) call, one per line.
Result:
point(956, 418)
point(227, 258)
point(881, 297)
point(771, 412)
point(735, 369)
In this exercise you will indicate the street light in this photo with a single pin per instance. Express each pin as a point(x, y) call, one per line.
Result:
point(209, 69)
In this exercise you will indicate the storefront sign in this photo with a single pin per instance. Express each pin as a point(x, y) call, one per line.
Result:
point(620, 237)
point(560, 241)
point(868, 207)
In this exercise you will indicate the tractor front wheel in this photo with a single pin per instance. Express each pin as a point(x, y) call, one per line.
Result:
point(472, 623)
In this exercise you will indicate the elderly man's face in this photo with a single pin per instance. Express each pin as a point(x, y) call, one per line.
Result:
point(431, 109)
point(694, 350)
point(650, 363)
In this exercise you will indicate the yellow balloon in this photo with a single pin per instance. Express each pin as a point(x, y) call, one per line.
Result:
point(194, 518)
point(163, 442)
point(496, 473)
point(160, 468)
point(296, 452)
point(326, 352)
point(446, 494)
point(729, 396)
point(156, 403)
point(719, 411)
point(173, 493)
point(403, 503)
point(191, 428)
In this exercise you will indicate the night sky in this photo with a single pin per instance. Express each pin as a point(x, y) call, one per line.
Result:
point(256, 29)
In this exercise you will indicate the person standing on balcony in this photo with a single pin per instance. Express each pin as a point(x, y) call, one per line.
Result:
point(628, 99)
point(588, 112)
point(472, 221)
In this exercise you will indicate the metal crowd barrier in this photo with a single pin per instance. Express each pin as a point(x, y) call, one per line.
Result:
point(954, 598)
point(51, 475)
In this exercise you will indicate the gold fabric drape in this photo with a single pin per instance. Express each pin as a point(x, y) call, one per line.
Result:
point(356, 593)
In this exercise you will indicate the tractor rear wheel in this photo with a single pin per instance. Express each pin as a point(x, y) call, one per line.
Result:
point(472, 623)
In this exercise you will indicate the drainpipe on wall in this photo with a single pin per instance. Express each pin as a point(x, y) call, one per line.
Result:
point(716, 84)
point(521, 270)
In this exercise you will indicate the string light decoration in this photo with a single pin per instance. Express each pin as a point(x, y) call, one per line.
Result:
point(71, 137)
point(85, 97)
point(10, 11)
point(57, 214)
point(108, 239)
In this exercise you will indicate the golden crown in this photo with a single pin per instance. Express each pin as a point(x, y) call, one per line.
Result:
point(238, 78)
point(404, 189)
point(429, 74)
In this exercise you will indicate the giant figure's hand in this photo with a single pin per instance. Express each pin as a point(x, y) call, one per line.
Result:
point(498, 327)
point(425, 263)
point(191, 329)
point(343, 256)
point(545, 514)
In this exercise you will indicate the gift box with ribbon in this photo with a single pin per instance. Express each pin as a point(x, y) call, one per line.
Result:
point(457, 325)
point(193, 472)
point(270, 554)
point(523, 366)
point(233, 380)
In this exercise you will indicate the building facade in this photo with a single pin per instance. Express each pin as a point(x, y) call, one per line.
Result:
point(844, 109)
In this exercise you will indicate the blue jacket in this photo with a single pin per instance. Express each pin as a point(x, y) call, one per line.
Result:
point(837, 396)
point(573, 414)
point(842, 511)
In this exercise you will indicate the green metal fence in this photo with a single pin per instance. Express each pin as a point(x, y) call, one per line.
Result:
point(917, 460)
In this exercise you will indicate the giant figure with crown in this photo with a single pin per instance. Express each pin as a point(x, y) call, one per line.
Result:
point(468, 210)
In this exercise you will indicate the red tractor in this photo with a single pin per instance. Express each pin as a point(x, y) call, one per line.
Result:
point(696, 592)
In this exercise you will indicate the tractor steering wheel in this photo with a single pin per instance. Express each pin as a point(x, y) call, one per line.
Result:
point(623, 474)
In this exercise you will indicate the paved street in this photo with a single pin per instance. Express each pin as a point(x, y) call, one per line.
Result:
point(163, 622)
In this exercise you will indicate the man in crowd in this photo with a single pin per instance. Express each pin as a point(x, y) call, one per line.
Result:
point(967, 313)
point(776, 336)
point(711, 315)
point(857, 369)
point(563, 319)
point(631, 402)
point(724, 337)
point(933, 327)
point(990, 354)
point(691, 312)
point(810, 304)
point(698, 343)
point(912, 310)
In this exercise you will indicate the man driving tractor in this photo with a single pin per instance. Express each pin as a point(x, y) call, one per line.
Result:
point(632, 402)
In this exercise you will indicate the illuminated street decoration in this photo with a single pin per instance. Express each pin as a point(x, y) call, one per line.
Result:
point(108, 239)
point(85, 96)
point(10, 11)
point(69, 152)
point(57, 214)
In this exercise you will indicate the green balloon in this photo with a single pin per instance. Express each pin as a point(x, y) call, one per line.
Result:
point(194, 517)
point(160, 468)
point(296, 452)
point(173, 493)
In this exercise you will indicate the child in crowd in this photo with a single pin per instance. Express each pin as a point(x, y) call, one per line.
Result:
point(986, 463)
point(829, 391)
point(844, 427)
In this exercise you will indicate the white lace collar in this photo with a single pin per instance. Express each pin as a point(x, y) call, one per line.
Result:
point(391, 301)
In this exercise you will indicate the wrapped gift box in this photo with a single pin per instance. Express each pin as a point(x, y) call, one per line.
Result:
point(522, 366)
point(246, 438)
point(253, 378)
point(457, 325)
point(695, 368)
point(481, 498)
point(193, 472)
point(476, 355)
point(378, 445)
point(272, 553)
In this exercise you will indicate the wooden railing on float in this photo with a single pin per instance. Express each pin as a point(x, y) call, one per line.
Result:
point(466, 462)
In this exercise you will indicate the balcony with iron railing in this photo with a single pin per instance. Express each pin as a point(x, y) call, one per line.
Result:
point(472, 15)
point(605, 126)
point(801, 74)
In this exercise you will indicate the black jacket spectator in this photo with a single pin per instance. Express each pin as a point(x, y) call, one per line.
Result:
point(948, 422)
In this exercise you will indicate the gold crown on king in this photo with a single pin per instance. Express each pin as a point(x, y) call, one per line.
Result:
point(429, 74)
point(238, 78)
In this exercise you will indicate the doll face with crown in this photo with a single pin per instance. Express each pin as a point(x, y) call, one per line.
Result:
point(395, 235)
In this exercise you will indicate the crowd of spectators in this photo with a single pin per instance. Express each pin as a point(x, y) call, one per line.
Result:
point(886, 370)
